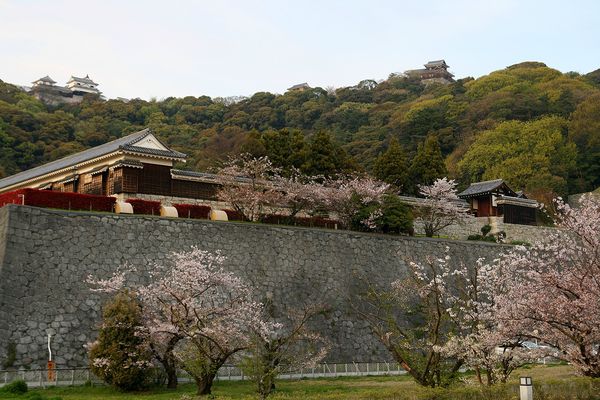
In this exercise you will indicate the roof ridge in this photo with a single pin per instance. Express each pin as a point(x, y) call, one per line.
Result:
point(491, 180)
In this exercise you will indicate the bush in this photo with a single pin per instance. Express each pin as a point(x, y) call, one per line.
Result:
point(119, 356)
point(15, 387)
point(61, 200)
point(11, 355)
point(144, 206)
point(396, 216)
point(487, 228)
point(192, 211)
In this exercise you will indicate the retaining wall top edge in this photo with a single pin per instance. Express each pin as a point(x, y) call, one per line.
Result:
point(15, 208)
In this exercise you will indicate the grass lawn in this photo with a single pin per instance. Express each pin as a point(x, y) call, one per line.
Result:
point(553, 383)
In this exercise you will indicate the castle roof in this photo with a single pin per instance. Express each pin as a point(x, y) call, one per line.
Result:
point(299, 86)
point(85, 80)
point(127, 144)
point(46, 79)
point(437, 64)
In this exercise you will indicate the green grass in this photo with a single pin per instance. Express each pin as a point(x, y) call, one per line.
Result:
point(552, 383)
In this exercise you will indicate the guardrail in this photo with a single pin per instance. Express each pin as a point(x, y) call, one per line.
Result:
point(81, 376)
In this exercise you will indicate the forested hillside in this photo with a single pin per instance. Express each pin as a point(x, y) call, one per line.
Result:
point(532, 125)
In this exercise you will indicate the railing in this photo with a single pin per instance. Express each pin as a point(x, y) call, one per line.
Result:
point(81, 376)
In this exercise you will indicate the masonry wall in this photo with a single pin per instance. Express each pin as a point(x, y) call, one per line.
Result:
point(48, 255)
point(517, 232)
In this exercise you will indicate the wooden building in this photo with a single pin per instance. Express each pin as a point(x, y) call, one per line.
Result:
point(496, 199)
point(135, 164)
point(434, 72)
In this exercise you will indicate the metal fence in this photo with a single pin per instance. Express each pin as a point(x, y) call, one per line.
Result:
point(81, 376)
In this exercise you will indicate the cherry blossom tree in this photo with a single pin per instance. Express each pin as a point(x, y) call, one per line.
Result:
point(246, 184)
point(441, 207)
point(477, 338)
point(411, 318)
point(196, 313)
point(553, 287)
point(441, 316)
point(299, 193)
point(346, 196)
point(292, 345)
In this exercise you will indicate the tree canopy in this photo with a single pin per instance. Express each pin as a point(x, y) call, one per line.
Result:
point(336, 130)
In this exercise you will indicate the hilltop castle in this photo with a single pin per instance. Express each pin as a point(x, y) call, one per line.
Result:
point(46, 90)
point(434, 72)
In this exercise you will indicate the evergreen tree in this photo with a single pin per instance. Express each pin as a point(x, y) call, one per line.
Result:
point(120, 356)
point(392, 166)
point(427, 166)
point(324, 157)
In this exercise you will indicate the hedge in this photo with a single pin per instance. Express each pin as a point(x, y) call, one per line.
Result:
point(144, 206)
point(192, 211)
point(61, 200)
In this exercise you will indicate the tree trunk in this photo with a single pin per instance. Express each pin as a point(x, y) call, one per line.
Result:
point(204, 383)
point(171, 376)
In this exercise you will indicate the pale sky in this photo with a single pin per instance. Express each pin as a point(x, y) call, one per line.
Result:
point(223, 48)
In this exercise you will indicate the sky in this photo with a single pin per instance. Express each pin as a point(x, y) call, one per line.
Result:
point(156, 49)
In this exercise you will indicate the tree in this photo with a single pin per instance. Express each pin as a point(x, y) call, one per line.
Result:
point(192, 298)
point(441, 207)
point(120, 356)
point(428, 164)
point(584, 131)
point(291, 346)
point(299, 193)
point(246, 184)
point(391, 167)
point(527, 154)
point(478, 338)
point(411, 319)
point(324, 157)
point(349, 195)
point(396, 217)
point(552, 289)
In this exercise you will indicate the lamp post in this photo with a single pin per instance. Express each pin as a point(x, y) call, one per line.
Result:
point(526, 388)
point(22, 196)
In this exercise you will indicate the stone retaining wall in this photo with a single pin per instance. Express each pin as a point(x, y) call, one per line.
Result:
point(46, 256)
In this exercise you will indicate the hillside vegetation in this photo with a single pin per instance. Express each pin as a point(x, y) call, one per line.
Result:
point(530, 124)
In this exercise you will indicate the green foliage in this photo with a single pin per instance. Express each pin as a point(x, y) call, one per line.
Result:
point(396, 216)
point(487, 228)
point(428, 165)
point(15, 387)
point(11, 355)
point(120, 356)
point(528, 155)
point(392, 167)
point(324, 157)
point(332, 131)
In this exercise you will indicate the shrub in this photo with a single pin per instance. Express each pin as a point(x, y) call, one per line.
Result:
point(396, 216)
point(144, 206)
point(487, 228)
point(15, 387)
point(61, 200)
point(120, 356)
point(11, 355)
point(192, 211)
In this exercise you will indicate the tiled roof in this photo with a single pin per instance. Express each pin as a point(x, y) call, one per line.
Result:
point(126, 143)
point(481, 187)
point(83, 80)
point(299, 86)
point(45, 79)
